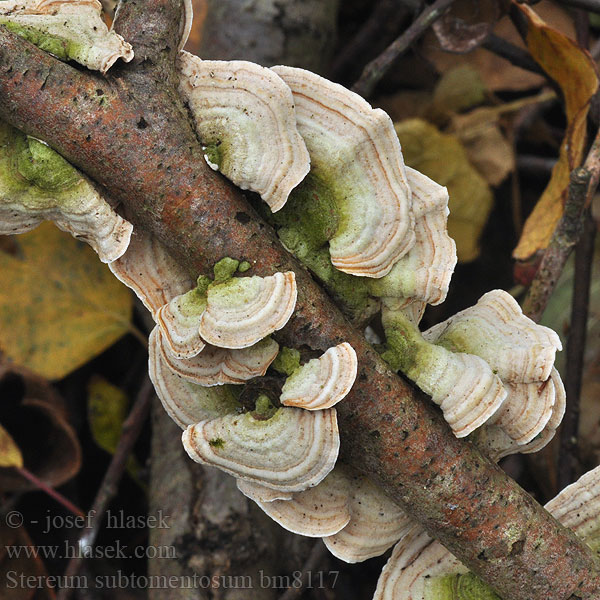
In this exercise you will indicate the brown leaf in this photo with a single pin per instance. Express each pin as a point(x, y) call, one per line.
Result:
point(575, 72)
point(34, 415)
point(497, 73)
point(17, 571)
point(487, 148)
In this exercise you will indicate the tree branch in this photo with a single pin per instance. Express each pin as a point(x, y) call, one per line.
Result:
point(378, 67)
point(388, 430)
point(584, 182)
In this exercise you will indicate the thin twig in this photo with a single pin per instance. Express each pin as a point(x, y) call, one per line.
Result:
point(584, 181)
point(43, 486)
point(378, 67)
point(513, 54)
point(314, 561)
point(584, 254)
point(132, 428)
point(591, 5)
point(539, 165)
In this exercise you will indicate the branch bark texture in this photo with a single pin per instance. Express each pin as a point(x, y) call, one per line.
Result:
point(138, 143)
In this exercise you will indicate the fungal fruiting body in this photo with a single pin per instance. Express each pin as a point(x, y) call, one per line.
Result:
point(37, 184)
point(69, 29)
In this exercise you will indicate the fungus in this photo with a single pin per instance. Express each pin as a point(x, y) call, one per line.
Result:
point(291, 451)
point(261, 493)
point(422, 569)
point(150, 271)
point(355, 153)
point(243, 310)
point(518, 349)
point(244, 116)
point(463, 385)
point(376, 522)
point(217, 366)
point(37, 184)
point(322, 382)
point(69, 29)
point(186, 402)
point(423, 273)
point(319, 511)
point(179, 321)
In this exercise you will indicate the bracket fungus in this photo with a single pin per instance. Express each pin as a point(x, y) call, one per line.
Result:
point(376, 522)
point(217, 366)
point(244, 310)
point(319, 511)
point(291, 450)
point(184, 401)
point(69, 29)
point(422, 569)
point(244, 115)
point(151, 272)
point(37, 184)
point(322, 382)
point(355, 151)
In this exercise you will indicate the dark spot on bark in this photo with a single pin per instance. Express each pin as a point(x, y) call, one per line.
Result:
point(242, 218)
point(142, 123)
point(99, 92)
point(517, 548)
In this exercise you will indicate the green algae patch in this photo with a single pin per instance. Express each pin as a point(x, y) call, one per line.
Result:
point(287, 361)
point(216, 443)
point(244, 266)
point(458, 587)
point(264, 408)
point(59, 46)
point(214, 153)
point(43, 167)
point(225, 269)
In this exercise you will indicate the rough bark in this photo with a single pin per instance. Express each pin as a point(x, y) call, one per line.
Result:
point(139, 145)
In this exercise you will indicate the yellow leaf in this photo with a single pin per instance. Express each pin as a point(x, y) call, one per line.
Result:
point(574, 71)
point(10, 455)
point(59, 305)
point(107, 410)
point(443, 158)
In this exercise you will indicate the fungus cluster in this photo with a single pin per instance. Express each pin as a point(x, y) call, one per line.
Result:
point(330, 171)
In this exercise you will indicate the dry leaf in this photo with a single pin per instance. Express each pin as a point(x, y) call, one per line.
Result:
point(59, 305)
point(24, 567)
point(10, 455)
point(497, 73)
point(574, 70)
point(443, 158)
point(34, 415)
point(487, 148)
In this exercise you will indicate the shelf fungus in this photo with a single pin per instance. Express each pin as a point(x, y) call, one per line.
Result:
point(495, 440)
point(261, 493)
point(244, 116)
point(319, 511)
point(37, 184)
point(355, 156)
point(218, 366)
point(422, 569)
point(179, 321)
point(463, 385)
point(322, 382)
point(68, 29)
point(497, 330)
point(289, 450)
point(376, 523)
point(150, 271)
point(244, 310)
point(424, 273)
point(186, 402)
